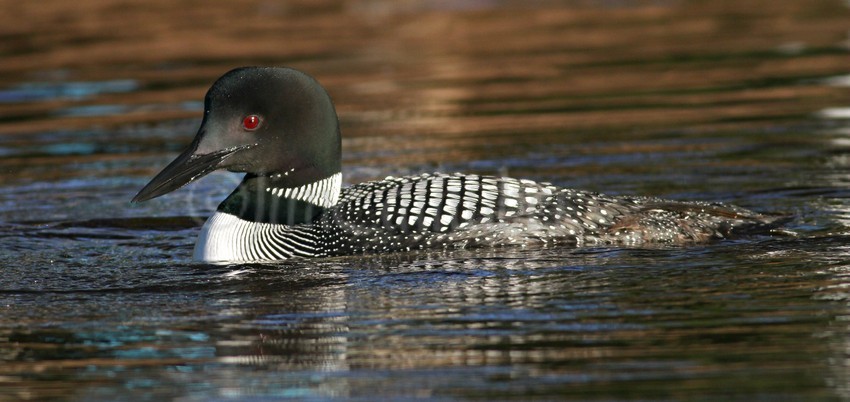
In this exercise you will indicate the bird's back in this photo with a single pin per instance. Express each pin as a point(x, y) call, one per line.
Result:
point(457, 210)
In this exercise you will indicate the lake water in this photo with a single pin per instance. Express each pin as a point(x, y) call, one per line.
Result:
point(739, 102)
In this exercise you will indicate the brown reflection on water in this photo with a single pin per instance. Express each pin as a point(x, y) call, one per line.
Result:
point(415, 69)
point(522, 319)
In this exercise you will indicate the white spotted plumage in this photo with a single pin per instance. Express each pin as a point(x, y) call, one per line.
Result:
point(454, 211)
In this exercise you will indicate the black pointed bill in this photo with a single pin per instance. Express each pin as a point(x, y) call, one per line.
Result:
point(187, 168)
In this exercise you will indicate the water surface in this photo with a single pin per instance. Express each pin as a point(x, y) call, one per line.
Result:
point(739, 102)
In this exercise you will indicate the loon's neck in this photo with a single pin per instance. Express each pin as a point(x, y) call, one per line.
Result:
point(275, 199)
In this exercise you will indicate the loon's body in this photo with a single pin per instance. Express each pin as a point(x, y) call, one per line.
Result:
point(279, 126)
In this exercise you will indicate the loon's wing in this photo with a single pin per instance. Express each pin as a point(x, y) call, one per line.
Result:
point(664, 221)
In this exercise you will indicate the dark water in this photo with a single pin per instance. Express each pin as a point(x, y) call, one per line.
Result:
point(740, 102)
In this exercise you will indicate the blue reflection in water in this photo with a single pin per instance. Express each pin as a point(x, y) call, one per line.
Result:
point(42, 91)
point(93, 110)
point(118, 110)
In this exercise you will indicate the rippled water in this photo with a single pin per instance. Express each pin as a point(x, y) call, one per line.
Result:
point(740, 102)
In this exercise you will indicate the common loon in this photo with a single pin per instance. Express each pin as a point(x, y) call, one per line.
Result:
point(279, 126)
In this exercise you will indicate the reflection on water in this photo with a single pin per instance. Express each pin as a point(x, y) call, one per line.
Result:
point(42, 91)
point(741, 102)
point(584, 323)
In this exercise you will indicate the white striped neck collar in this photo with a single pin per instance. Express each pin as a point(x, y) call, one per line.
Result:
point(265, 199)
point(323, 193)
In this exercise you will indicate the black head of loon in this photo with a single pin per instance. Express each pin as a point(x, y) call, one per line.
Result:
point(267, 122)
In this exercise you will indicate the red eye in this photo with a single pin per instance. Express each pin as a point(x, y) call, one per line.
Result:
point(251, 122)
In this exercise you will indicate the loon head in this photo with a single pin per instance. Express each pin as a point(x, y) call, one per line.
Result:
point(263, 121)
